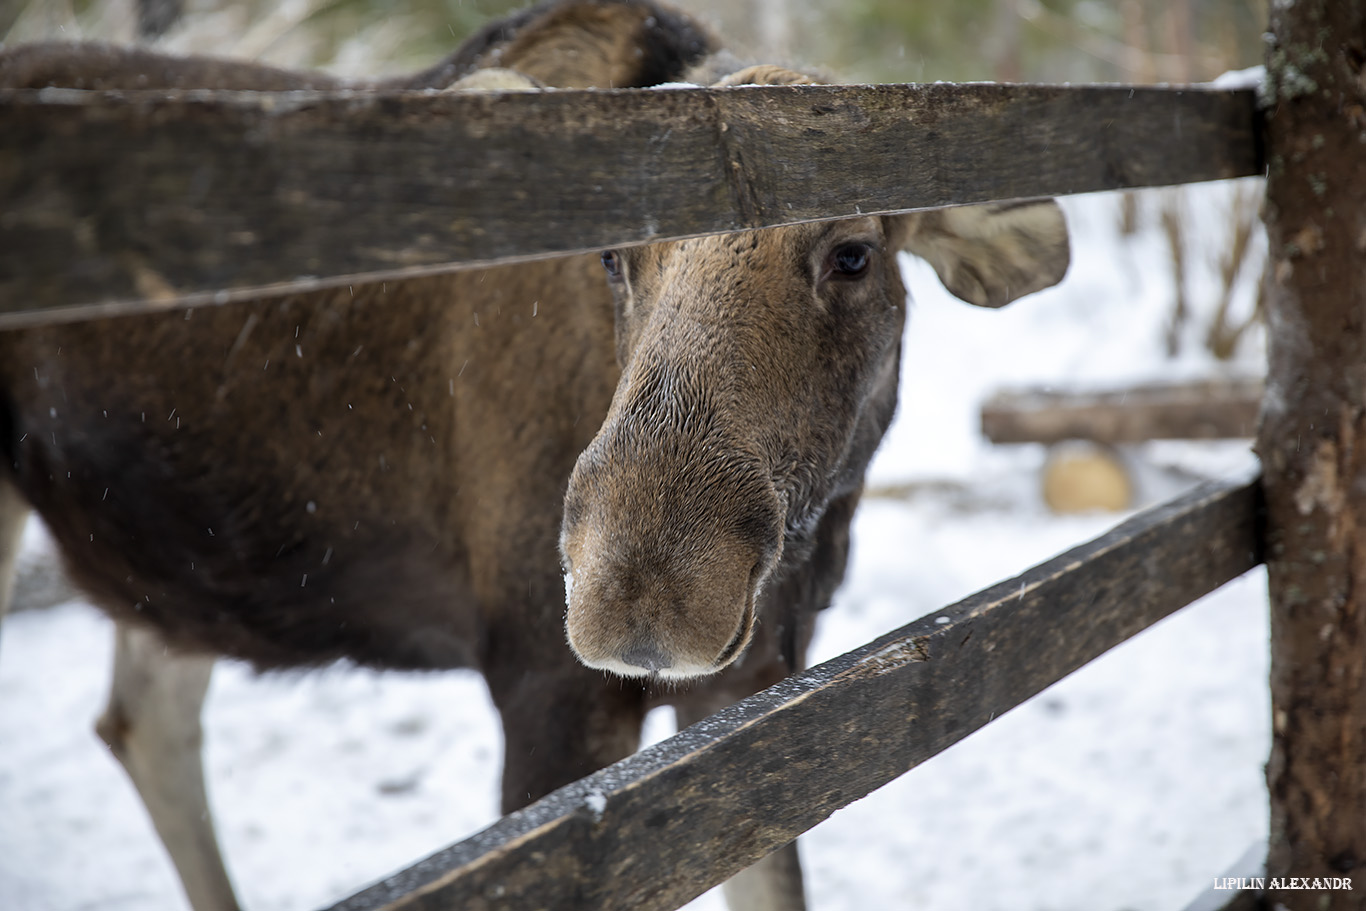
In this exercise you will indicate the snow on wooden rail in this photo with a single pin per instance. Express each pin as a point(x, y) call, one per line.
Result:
point(736, 786)
point(120, 202)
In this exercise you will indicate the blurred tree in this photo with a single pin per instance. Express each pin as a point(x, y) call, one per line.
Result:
point(155, 17)
point(1036, 40)
point(870, 40)
point(349, 36)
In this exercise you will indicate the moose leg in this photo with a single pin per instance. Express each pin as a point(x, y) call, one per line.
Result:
point(560, 726)
point(771, 884)
point(13, 515)
point(775, 883)
point(152, 725)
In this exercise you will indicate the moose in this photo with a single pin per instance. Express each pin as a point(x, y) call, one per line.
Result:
point(654, 453)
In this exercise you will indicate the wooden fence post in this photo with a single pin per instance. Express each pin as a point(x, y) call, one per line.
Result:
point(1313, 447)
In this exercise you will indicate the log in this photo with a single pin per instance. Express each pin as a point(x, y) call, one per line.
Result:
point(123, 202)
point(1211, 410)
point(657, 829)
point(1313, 446)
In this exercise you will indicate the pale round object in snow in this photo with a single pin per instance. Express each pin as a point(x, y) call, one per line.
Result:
point(1085, 477)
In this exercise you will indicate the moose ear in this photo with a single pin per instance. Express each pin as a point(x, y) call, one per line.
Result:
point(991, 254)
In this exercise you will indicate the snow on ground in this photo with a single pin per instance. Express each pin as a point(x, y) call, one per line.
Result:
point(1128, 785)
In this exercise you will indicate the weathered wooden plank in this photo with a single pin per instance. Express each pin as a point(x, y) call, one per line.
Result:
point(108, 199)
point(659, 828)
point(1214, 410)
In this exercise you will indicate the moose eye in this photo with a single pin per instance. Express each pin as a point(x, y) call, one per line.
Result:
point(849, 260)
point(611, 261)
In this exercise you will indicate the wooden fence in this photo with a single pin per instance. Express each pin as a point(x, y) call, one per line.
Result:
point(725, 792)
point(113, 203)
point(206, 197)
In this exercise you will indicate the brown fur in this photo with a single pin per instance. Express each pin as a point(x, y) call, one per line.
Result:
point(373, 473)
point(379, 474)
point(758, 379)
point(755, 391)
point(317, 477)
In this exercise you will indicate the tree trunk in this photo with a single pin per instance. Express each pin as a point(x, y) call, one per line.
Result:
point(155, 17)
point(1313, 447)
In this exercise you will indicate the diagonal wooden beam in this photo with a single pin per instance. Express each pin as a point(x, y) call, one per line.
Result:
point(117, 202)
point(657, 829)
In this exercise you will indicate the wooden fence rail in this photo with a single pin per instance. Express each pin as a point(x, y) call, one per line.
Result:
point(116, 202)
point(725, 792)
point(127, 202)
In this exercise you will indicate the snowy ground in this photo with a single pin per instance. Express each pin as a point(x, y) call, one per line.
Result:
point(1128, 785)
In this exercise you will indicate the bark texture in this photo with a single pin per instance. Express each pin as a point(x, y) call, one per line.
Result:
point(1313, 447)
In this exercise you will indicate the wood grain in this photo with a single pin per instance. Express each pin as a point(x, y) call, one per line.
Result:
point(1214, 410)
point(661, 827)
point(113, 202)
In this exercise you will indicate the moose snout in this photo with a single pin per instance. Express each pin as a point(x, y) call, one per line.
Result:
point(647, 656)
point(664, 579)
point(675, 622)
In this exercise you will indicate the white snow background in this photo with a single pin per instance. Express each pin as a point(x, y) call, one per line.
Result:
point(1129, 785)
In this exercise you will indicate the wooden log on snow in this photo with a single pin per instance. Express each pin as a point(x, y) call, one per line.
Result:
point(1210, 410)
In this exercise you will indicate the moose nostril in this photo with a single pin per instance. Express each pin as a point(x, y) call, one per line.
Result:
point(648, 657)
